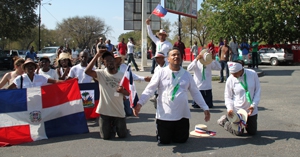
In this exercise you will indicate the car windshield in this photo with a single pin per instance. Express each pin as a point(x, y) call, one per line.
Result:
point(48, 50)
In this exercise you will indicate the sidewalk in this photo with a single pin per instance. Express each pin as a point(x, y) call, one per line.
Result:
point(215, 73)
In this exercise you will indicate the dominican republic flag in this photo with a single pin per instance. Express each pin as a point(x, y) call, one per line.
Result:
point(90, 99)
point(128, 84)
point(38, 113)
point(159, 11)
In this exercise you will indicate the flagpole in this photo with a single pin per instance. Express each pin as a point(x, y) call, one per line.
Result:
point(150, 16)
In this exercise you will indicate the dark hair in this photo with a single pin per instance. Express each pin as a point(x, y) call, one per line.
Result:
point(69, 63)
point(107, 53)
point(174, 48)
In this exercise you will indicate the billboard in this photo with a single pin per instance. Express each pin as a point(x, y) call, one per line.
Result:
point(182, 7)
point(133, 14)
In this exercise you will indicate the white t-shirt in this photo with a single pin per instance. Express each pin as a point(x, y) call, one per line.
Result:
point(49, 74)
point(130, 48)
point(74, 54)
point(110, 101)
point(38, 80)
point(77, 71)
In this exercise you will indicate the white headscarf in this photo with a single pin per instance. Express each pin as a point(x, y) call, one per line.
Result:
point(234, 67)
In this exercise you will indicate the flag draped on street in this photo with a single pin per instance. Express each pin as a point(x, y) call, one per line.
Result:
point(159, 11)
point(90, 98)
point(41, 112)
point(128, 84)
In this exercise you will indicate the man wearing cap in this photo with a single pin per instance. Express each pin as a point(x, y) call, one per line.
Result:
point(202, 66)
point(30, 78)
point(122, 68)
point(162, 45)
point(99, 61)
point(172, 115)
point(45, 69)
point(77, 71)
point(242, 91)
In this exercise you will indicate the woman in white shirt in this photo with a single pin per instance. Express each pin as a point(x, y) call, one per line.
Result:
point(130, 48)
point(64, 66)
point(30, 78)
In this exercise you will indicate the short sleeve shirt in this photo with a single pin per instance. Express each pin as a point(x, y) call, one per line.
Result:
point(30, 55)
point(110, 101)
point(38, 80)
point(77, 71)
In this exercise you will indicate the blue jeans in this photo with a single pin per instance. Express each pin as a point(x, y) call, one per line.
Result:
point(234, 57)
point(127, 108)
point(223, 65)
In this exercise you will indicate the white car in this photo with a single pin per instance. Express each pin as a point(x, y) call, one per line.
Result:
point(49, 52)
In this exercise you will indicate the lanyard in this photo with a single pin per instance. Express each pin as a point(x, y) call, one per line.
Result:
point(175, 88)
point(203, 73)
point(159, 46)
point(245, 86)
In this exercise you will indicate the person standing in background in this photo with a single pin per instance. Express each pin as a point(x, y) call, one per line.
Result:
point(180, 45)
point(234, 47)
point(194, 49)
point(224, 55)
point(130, 47)
point(153, 51)
point(254, 46)
point(122, 48)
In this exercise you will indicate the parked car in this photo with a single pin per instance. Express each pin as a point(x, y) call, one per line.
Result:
point(274, 56)
point(248, 60)
point(6, 58)
point(50, 52)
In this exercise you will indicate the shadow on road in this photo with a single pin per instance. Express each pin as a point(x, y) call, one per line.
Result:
point(143, 117)
point(262, 138)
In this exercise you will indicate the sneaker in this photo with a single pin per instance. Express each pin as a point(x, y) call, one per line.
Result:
point(195, 106)
point(222, 120)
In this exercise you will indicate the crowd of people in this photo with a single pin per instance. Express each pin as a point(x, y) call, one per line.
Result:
point(168, 87)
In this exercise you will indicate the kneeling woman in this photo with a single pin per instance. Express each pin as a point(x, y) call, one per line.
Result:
point(29, 78)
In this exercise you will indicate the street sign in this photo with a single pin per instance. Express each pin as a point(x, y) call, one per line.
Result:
point(182, 7)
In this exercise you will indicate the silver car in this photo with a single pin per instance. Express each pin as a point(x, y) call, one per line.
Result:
point(274, 56)
point(49, 52)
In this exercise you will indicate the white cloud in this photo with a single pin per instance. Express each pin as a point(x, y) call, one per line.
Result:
point(118, 18)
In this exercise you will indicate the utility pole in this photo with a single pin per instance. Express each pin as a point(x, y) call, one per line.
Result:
point(40, 26)
point(144, 35)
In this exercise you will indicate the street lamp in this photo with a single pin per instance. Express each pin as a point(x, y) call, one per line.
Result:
point(41, 4)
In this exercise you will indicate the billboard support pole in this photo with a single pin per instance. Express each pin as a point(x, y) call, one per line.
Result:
point(179, 25)
point(144, 35)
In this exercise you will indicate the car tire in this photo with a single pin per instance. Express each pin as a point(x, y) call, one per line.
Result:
point(274, 61)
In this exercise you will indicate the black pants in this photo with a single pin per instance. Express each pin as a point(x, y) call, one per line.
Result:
point(107, 125)
point(131, 58)
point(153, 65)
point(254, 59)
point(172, 131)
point(207, 96)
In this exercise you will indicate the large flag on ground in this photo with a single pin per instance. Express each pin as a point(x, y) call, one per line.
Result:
point(41, 112)
point(128, 84)
point(159, 11)
point(90, 99)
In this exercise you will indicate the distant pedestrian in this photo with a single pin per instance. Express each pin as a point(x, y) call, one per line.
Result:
point(122, 48)
point(254, 46)
point(235, 49)
point(224, 54)
point(245, 49)
point(194, 49)
point(130, 47)
point(153, 51)
point(110, 47)
point(31, 54)
point(181, 47)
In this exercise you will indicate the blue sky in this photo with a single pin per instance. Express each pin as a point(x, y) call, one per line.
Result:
point(112, 12)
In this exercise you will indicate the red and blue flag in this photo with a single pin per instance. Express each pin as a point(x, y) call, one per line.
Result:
point(128, 84)
point(90, 99)
point(41, 112)
point(159, 11)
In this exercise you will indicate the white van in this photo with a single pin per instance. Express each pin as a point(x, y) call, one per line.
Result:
point(50, 52)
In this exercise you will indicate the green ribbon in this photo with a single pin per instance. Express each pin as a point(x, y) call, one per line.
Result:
point(175, 88)
point(203, 73)
point(245, 86)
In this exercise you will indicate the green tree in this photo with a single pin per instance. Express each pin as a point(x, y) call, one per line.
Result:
point(17, 18)
point(82, 30)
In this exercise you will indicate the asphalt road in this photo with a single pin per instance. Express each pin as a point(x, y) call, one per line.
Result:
point(278, 128)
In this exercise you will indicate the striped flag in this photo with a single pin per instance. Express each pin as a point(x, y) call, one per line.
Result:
point(128, 84)
point(41, 112)
point(159, 11)
point(90, 99)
